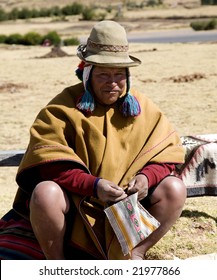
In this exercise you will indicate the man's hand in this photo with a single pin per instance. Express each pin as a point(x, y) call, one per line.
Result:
point(109, 192)
point(138, 184)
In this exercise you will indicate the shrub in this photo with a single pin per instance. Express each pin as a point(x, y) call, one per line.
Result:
point(14, 39)
point(32, 38)
point(13, 14)
point(197, 25)
point(204, 25)
point(71, 42)
point(74, 9)
point(3, 15)
point(56, 11)
point(153, 3)
point(53, 37)
point(208, 2)
point(212, 24)
point(35, 13)
point(66, 10)
point(2, 39)
point(24, 13)
point(88, 13)
point(44, 12)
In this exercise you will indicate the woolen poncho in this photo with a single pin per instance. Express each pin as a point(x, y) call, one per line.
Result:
point(105, 144)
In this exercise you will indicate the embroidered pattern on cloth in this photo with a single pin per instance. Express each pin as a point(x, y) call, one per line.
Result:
point(131, 222)
point(199, 172)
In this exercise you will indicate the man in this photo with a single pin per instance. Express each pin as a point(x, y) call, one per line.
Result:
point(96, 143)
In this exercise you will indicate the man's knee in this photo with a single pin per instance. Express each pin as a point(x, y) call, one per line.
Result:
point(49, 194)
point(171, 189)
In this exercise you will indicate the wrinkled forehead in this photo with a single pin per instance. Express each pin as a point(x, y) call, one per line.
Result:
point(98, 69)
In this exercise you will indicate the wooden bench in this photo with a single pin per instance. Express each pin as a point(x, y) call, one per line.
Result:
point(11, 158)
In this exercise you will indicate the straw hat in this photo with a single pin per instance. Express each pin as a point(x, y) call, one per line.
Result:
point(107, 45)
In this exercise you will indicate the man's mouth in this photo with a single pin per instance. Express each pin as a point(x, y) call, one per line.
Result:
point(111, 91)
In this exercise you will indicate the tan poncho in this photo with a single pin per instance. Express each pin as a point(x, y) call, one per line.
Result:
point(105, 144)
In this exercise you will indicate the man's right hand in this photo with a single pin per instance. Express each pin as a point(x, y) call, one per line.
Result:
point(109, 192)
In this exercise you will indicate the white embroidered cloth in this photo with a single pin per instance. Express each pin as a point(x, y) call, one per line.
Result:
point(131, 222)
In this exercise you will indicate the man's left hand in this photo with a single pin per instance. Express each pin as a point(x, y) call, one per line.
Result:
point(138, 184)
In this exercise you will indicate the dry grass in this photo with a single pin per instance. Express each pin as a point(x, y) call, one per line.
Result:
point(193, 234)
point(180, 78)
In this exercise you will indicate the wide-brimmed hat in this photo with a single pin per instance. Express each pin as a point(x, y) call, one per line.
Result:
point(108, 46)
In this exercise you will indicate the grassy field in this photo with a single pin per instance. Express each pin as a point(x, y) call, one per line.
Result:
point(28, 82)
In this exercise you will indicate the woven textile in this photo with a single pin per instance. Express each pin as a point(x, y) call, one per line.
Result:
point(17, 240)
point(130, 222)
point(199, 172)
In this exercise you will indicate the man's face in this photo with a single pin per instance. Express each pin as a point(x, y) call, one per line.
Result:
point(108, 83)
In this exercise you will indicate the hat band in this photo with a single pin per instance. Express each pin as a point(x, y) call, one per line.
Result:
point(108, 48)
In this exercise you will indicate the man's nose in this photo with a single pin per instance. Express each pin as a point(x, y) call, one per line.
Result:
point(112, 79)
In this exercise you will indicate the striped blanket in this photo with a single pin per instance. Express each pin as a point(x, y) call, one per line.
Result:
point(199, 172)
point(17, 240)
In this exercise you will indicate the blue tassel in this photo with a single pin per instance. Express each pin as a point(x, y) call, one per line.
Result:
point(129, 106)
point(86, 102)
